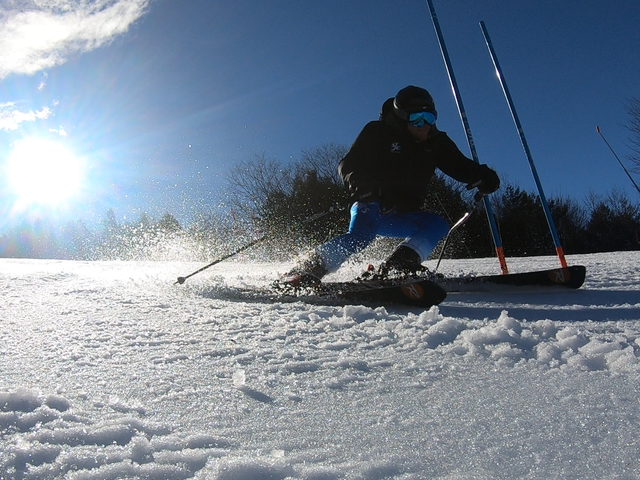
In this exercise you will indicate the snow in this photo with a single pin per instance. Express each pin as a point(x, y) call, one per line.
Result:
point(108, 370)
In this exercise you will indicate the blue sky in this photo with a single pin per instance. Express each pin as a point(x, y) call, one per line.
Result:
point(160, 98)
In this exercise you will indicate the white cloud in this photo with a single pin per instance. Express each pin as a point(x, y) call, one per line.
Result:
point(11, 116)
point(43, 81)
point(40, 34)
point(61, 131)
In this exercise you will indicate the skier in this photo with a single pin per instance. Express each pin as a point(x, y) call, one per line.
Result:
point(386, 173)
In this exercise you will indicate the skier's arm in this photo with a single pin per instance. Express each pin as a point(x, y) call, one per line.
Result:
point(358, 168)
point(452, 162)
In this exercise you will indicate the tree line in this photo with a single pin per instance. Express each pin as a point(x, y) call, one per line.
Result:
point(266, 197)
point(279, 198)
point(276, 200)
point(145, 238)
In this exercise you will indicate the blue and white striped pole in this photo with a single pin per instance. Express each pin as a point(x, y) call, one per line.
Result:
point(465, 123)
point(516, 120)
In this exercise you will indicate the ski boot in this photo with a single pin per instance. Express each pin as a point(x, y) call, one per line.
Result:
point(403, 262)
point(307, 274)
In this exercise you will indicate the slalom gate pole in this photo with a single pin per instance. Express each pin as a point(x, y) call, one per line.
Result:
point(317, 216)
point(619, 161)
point(516, 120)
point(465, 123)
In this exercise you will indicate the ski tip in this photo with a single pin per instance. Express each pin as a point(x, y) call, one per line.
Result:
point(577, 276)
point(424, 293)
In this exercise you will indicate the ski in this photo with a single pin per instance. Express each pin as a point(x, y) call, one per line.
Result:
point(570, 277)
point(416, 292)
point(419, 292)
point(408, 291)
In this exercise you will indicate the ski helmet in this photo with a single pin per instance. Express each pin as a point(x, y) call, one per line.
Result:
point(413, 99)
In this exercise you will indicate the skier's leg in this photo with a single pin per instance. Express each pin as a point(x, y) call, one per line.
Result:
point(423, 231)
point(363, 228)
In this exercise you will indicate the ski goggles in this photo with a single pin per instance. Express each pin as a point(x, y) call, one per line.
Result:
point(418, 119)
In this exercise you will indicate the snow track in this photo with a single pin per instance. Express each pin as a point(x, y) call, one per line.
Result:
point(110, 371)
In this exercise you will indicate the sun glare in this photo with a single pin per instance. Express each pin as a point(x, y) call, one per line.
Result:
point(43, 171)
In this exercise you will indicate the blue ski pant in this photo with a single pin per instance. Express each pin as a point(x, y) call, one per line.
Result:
point(422, 232)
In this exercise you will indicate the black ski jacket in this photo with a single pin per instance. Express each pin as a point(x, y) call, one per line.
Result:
point(388, 165)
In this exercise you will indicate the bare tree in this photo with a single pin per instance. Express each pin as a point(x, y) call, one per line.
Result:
point(279, 198)
point(252, 181)
point(324, 161)
point(633, 107)
point(614, 223)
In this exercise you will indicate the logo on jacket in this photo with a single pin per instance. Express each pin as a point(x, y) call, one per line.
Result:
point(395, 147)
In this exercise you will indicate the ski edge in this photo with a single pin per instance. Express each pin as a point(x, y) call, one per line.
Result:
point(418, 292)
point(572, 277)
point(415, 292)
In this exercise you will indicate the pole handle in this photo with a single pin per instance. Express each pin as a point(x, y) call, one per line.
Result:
point(477, 198)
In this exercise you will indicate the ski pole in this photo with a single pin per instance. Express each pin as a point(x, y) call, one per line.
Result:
point(619, 161)
point(477, 198)
point(181, 280)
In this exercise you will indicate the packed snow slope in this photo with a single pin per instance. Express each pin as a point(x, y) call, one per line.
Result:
point(108, 370)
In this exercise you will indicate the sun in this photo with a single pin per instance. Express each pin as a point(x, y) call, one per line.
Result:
point(43, 171)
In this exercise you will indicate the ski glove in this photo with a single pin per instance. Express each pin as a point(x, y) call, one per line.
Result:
point(488, 182)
